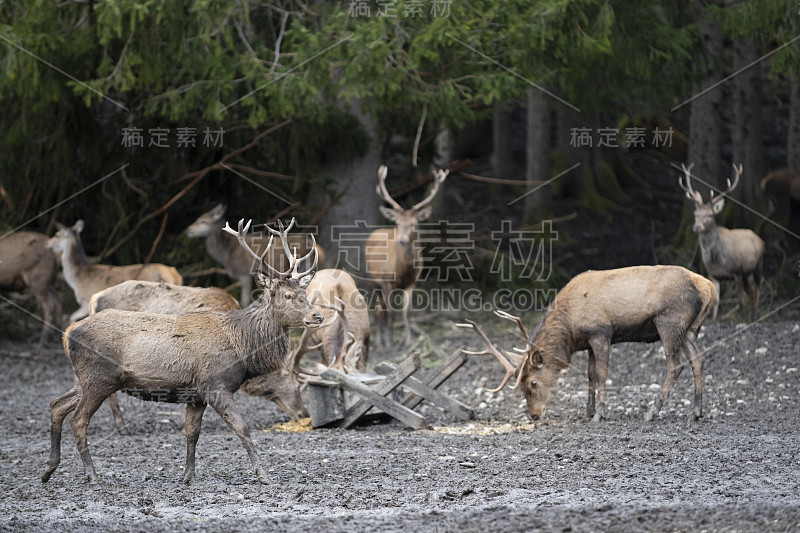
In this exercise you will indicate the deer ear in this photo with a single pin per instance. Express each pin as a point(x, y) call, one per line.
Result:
point(305, 280)
point(60, 226)
point(78, 227)
point(718, 205)
point(388, 213)
point(537, 360)
point(424, 213)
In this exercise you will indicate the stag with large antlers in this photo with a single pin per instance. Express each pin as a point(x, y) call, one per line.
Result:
point(599, 308)
point(394, 258)
point(727, 253)
point(197, 358)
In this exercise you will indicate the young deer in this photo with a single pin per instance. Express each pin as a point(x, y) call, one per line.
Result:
point(394, 259)
point(282, 387)
point(85, 280)
point(599, 308)
point(195, 358)
point(236, 261)
point(727, 253)
point(25, 261)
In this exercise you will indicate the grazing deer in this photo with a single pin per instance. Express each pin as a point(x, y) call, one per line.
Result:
point(346, 342)
point(236, 261)
point(727, 253)
point(197, 358)
point(394, 260)
point(281, 387)
point(599, 308)
point(85, 280)
point(25, 261)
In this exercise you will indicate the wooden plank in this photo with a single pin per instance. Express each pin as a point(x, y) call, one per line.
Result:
point(376, 395)
point(453, 363)
point(440, 399)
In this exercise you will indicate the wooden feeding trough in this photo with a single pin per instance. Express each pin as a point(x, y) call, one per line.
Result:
point(336, 399)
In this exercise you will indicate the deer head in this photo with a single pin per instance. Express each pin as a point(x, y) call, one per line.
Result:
point(285, 290)
point(66, 237)
point(207, 223)
point(406, 219)
point(534, 374)
point(704, 212)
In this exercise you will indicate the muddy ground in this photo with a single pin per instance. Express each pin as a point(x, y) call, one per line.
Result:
point(736, 469)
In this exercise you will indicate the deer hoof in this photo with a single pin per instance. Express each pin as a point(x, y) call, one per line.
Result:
point(596, 418)
point(263, 478)
point(49, 472)
point(188, 478)
point(651, 414)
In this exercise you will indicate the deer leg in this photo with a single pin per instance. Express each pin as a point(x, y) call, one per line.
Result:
point(223, 404)
point(82, 311)
point(741, 284)
point(54, 304)
point(113, 403)
point(90, 401)
point(246, 287)
point(669, 339)
point(602, 351)
point(592, 384)
point(716, 298)
point(695, 357)
point(406, 314)
point(59, 408)
point(194, 419)
point(757, 276)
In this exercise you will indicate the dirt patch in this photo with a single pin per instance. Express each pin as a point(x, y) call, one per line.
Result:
point(737, 469)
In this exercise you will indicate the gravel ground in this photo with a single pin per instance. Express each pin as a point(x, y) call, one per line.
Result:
point(738, 469)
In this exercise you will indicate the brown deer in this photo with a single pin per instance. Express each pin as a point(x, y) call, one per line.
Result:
point(25, 261)
point(782, 189)
point(197, 358)
point(85, 280)
point(599, 308)
point(281, 387)
point(727, 253)
point(346, 342)
point(236, 261)
point(393, 257)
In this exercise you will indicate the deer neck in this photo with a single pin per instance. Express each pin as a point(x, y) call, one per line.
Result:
point(555, 339)
point(72, 266)
point(711, 248)
point(261, 340)
point(220, 247)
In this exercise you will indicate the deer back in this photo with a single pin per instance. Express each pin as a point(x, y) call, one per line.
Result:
point(24, 254)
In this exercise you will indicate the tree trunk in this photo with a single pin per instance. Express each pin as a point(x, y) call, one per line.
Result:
point(537, 156)
point(347, 224)
point(747, 131)
point(502, 161)
point(793, 135)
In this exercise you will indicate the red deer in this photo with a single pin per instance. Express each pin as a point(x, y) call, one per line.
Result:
point(727, 253)
point(85, 280)
point(281, 387)
point(327, 287)
point(236, 261)
point(394, 259)
point(782, 189)
point(197, 358)
point(25, 261)
point(599, 308)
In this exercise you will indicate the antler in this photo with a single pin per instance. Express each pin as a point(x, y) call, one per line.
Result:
point(241, 235)
point(438, 177)
point(382, 191)
point(511, 369)
point(283, 234)
point(691, 194)
point(518, 321)
point(737, 172)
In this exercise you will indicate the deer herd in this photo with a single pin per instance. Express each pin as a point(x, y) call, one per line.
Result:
point(149, 336)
